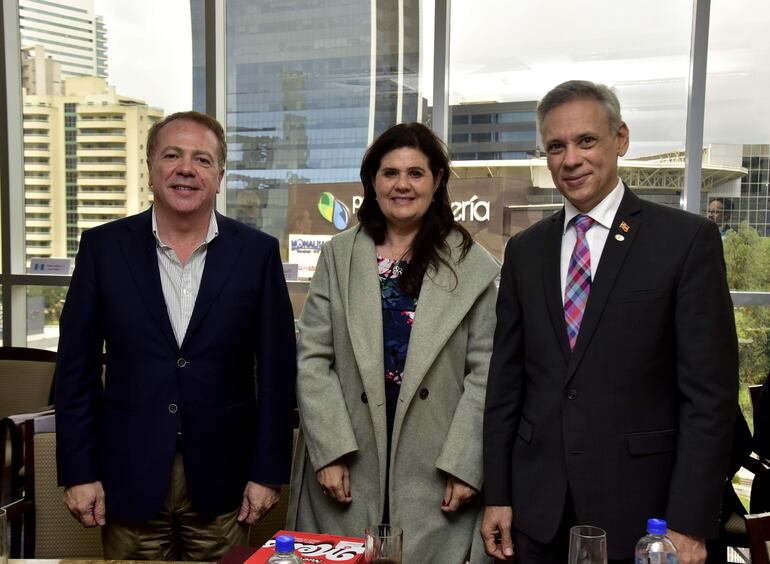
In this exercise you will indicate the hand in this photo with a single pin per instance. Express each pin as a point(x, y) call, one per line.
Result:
point(335, 481)
point(86, 503)
point(692, 550)
point(456, 494)
point(258, 500)
point(495, 525)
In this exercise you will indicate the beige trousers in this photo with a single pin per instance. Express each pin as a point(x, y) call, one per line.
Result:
point(177, 533)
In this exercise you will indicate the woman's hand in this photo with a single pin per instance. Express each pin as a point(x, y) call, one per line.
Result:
point(456, 494)
point(335, 481)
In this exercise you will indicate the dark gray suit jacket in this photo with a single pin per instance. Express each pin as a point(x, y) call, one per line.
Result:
point(637, 421)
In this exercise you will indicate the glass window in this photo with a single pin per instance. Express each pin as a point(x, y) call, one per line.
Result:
point(736, 139)
point(91, 91)
point(86, 121)
point(485, 137)
point(514, 52)
point(308, 91)
point(481, 118)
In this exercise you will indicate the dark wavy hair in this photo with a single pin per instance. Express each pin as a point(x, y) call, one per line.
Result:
point(437, 223)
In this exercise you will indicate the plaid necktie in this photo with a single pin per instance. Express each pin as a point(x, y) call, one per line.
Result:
point(578, 279)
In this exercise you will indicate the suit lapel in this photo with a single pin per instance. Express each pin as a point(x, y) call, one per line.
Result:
point(624, 229)
point(139, 247)
point(552, 281)
point(220, 260)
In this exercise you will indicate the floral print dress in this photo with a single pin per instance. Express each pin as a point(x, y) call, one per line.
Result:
point(397, 318)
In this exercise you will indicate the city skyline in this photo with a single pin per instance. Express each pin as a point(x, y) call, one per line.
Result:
point(648, 64)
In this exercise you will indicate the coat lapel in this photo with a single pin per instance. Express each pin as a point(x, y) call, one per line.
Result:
point(139, 246)
point(552, 281)
point(624, 229)
point(220, 260)
point(443, 303)
point(364, 318)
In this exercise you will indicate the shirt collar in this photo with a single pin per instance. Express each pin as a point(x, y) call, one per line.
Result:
point(603, 213)
point(213, 230)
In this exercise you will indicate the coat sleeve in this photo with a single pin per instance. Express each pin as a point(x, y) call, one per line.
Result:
point(78, 374)
point(505, 389)
point(276, 355)
point(461, 453)
point(707, 379)
point(326, 423)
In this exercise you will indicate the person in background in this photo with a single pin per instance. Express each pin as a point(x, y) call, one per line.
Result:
point(176, 452)
point(720, 211)
point(612, 390)
point(394, 346)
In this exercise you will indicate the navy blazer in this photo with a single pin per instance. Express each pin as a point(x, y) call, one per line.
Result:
point(637, 421)
point(229, 388)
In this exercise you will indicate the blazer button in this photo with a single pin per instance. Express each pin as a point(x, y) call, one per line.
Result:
point(572, 394)
point(364, 398)
point(181, 363)
point(424, 393)
point(172, 408)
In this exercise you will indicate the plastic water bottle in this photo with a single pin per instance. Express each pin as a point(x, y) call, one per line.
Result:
point(284, 551)
point(656, 547)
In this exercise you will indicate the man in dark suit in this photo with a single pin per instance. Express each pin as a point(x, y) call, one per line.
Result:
point(189, 437)
point(613, 382)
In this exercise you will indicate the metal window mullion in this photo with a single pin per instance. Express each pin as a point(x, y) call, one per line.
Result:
point(696, 104)
point(441, 68)
point(12, 179)
point(215, 27)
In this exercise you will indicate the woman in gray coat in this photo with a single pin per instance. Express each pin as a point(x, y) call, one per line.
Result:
point(394, 346)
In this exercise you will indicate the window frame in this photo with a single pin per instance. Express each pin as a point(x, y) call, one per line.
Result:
point(14, 280)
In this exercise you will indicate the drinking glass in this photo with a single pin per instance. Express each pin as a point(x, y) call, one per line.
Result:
point(587, 545)
point(3, 537)
point(383, 544)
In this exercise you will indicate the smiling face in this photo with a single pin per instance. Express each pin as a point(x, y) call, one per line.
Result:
point(184, 171)
point(404, 185)
point(583, 151)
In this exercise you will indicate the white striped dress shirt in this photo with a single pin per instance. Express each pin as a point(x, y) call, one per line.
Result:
point(181, 282)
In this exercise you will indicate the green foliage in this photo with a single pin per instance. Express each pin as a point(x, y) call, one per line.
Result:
point(747, 257)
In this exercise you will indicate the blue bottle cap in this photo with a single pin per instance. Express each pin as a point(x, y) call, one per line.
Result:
point(657, 526)
point(284, 543)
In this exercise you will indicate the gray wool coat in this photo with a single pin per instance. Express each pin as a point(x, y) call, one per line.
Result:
point(438, 425)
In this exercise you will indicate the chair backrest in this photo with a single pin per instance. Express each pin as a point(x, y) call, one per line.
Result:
point(758, 526)
point(26, 376)
point(56, 533)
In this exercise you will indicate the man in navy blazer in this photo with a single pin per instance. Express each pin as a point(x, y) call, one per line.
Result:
point(187, 438)
point(612, 389)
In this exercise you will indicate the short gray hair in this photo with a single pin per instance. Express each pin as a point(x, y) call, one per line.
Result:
point(581, 90)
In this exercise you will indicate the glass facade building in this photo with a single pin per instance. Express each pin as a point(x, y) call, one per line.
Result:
point(309, 85)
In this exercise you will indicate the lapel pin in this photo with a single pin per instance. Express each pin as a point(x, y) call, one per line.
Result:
point(625, 227)
point(619, 237)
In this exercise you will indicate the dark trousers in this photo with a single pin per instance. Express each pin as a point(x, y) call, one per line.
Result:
point(529, 551)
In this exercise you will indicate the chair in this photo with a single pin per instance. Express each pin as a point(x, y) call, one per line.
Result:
point(26, 379)
point(49, 531)
point(758, 526)
point(26, 384)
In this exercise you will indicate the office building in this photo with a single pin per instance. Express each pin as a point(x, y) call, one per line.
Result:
point(70, 32)
point(309, 86)
point(84, 162)
point(491, 131)
point(753, 204)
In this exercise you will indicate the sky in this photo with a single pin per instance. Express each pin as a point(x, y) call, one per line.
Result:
point(517, 50)
point(149, 50)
